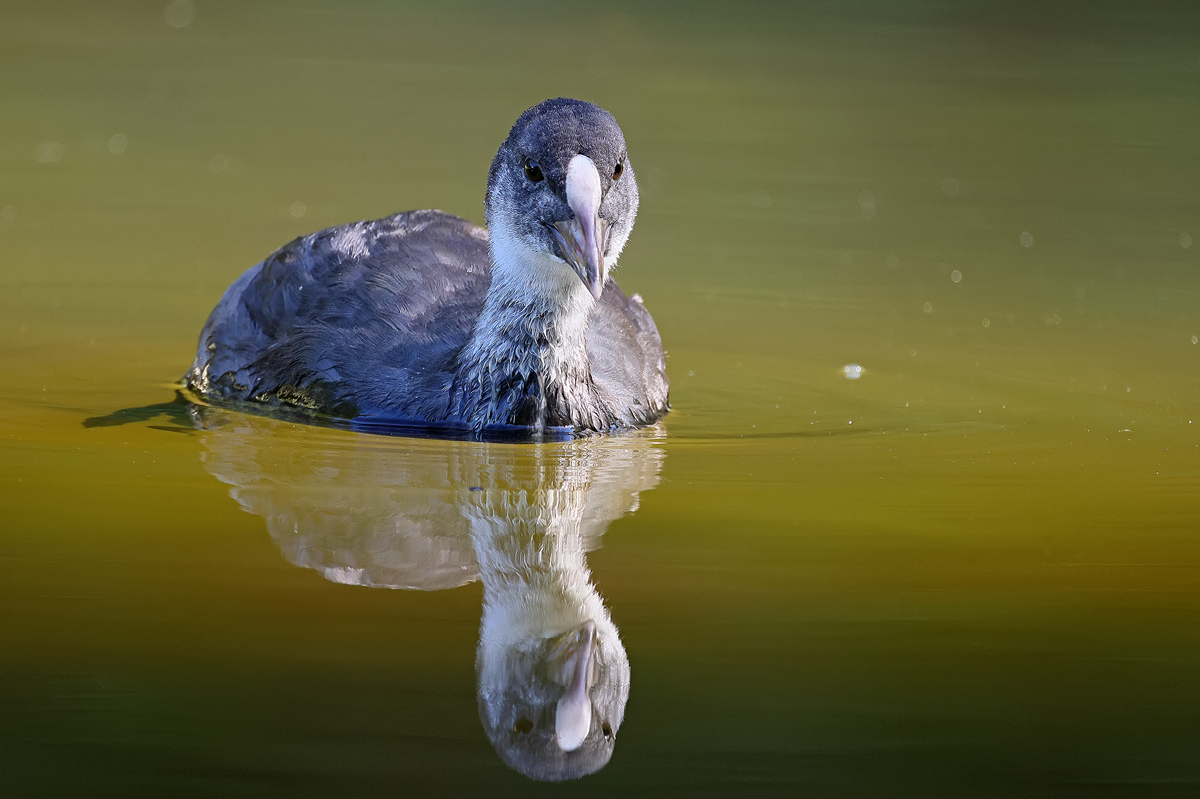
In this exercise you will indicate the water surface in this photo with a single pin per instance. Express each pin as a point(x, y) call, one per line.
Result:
point(974, 570)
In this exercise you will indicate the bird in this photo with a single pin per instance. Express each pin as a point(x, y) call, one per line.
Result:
point(425, 321)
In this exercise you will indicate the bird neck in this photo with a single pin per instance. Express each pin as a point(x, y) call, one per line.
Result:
point(530, 551)
point(526, 361)
point(528, 539)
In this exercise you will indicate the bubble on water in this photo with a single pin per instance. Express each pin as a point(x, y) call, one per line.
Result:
point(763, 200)
point(1185, 240)
point(218, 163)
point(179, 14)
point(956, 276)
point(950, 187)
point(297, 209)
point(927, 307)
point(987, 322)
point(866, 204)
point(1026, 239)
point(117, 143)
point(1195, 340)
point(1010, 318)
point(893, 260)
point(10, 213)
point(852, 371)
point(49, 152)
point(913, 353)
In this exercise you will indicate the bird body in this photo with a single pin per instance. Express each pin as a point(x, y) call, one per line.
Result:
point(424, 319)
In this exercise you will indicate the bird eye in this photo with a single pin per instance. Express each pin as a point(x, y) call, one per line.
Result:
point(607, 730)
point(533, 171)
point(618, 170)
point(523, 726)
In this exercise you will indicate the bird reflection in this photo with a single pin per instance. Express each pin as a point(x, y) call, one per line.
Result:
point(552, 673)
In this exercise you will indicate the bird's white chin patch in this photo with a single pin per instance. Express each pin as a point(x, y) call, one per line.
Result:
point(534, 276)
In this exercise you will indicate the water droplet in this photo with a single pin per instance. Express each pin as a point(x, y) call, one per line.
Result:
point(950, 187)
point(1027, 239)
point(218, 163)
point(927, 307)
point(913, 353)
point(1195, 340)
point(49, 152)
point(298, 208)
point(866, 200)
point(179, 14)
point(956, 276)
point(893, 260)
point(117, 143)
point(1185, 240)
point(987, 322)
point(9, 213)
point(852, 371)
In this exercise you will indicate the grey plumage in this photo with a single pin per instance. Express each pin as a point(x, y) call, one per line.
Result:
point(424, 319)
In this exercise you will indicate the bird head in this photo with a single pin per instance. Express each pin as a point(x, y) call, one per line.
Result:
point(552, 706)
point(561, 186)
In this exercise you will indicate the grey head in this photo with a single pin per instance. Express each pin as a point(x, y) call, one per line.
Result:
point(561, 187)
point(553, 711)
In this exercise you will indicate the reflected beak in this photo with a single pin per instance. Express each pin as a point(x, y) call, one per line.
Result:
point(573, 719)
point(582, 240)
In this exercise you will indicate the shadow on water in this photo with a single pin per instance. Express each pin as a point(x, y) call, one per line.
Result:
point(177, 411)
point(552, 673)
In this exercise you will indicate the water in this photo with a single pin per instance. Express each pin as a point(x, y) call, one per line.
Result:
point(973, 570)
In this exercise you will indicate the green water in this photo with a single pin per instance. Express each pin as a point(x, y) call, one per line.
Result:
point(974, 571)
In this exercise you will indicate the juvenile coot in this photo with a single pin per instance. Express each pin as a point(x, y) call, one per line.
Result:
point(423, 318)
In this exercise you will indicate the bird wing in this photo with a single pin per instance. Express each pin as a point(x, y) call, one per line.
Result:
point(370, 310)
point(626, 356)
